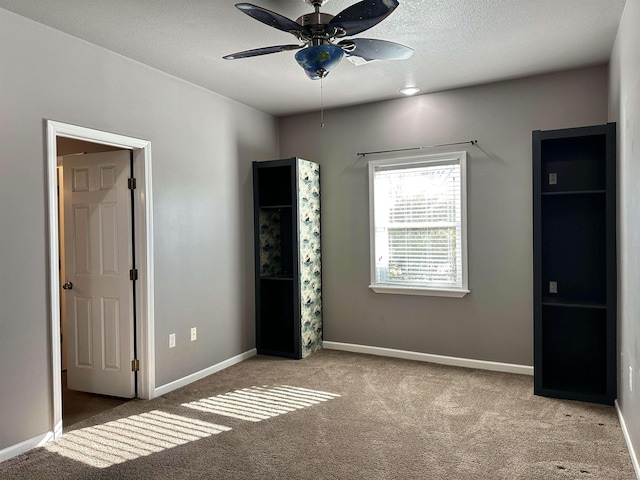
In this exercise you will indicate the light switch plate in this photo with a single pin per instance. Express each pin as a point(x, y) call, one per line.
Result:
point(194, 334)
point(172, 340)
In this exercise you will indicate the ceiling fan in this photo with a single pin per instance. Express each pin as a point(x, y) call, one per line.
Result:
point(322, 36)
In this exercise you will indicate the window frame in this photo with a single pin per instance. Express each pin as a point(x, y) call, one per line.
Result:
point(412, 289)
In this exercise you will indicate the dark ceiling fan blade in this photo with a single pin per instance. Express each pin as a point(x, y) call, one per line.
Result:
point(270, 18)
point(262, 51)
point(371, 49)
point(363, 15)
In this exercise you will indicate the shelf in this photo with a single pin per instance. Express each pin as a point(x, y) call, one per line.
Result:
point(573, 245)
point(275, 239)
point(576, 163)
point(575, 192)
point(277, 353)
point(276, 277)
point(271, 207)
point(275, 185)
point(582, 394)
point(558, 302)
point(277, 319)
point(574, 351)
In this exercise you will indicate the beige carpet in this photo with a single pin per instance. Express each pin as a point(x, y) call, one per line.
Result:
point(338, 415)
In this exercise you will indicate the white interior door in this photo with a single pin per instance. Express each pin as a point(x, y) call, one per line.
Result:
point(98, 290)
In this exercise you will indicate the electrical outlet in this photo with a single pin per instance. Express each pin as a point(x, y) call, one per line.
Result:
point(553, 287)
point(194, 334)
point(172, 340)
point(630, 378)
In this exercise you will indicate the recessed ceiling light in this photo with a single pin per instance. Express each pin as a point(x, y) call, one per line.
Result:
point(409, 90)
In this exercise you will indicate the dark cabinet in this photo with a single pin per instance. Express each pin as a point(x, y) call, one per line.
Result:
point(574, 244)
point(288, 285)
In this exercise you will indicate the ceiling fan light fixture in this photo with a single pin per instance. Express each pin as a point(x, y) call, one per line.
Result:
point(320, 47)
point(318, 60)
point(409, 91)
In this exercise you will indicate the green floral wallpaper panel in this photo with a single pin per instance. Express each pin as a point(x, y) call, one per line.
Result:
point(310, 256)
point(270, 242)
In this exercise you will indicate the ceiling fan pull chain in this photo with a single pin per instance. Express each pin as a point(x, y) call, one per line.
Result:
point(321, 104)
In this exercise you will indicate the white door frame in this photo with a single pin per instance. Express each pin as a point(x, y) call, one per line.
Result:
point(143, 233)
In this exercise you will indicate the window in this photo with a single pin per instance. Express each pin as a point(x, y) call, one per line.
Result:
point(418, 225)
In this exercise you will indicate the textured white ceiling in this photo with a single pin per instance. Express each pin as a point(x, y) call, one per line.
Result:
point(457, 43)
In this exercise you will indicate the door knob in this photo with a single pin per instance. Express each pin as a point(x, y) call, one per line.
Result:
point(67, 286)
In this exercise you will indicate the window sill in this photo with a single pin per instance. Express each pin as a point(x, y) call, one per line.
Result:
point(426, 292)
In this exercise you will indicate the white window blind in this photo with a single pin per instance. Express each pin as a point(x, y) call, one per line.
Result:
point(418, 226)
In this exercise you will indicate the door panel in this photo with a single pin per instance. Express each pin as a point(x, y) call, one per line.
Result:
point(109, 239)
point(110, 334)
point(98, 260)
point(82, 332)
point(81, 252)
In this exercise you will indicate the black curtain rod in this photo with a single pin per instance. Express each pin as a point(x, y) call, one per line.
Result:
point(472, 142)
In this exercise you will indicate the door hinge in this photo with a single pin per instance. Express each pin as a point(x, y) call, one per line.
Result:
point(135, 365)
point(131, 183)
point(133, 274)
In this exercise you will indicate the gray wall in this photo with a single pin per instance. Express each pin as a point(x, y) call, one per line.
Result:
point(202, 146)
point(625, 110)
point(494, 322)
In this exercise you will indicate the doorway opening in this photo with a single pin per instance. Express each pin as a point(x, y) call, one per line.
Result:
point(81, 400)
point(63, 139)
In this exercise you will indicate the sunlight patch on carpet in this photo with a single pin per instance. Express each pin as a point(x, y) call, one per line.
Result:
point(260, 403)
point(110, 443)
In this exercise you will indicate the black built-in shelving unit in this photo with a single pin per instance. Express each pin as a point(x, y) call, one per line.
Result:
point(574, 240)
point(287, 257)
point(277, 294)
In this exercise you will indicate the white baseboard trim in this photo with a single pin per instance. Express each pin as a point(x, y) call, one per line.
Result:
point(57, 430)
point(17, 449)
point(431, 358)
point(181, 382)
point(627, 438)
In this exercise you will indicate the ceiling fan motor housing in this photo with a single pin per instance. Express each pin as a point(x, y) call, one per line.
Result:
point(316, 3)
point(314, 19)
point(317, 24)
